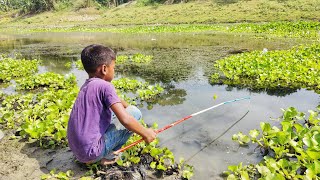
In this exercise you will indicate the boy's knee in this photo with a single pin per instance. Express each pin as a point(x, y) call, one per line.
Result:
point(134, 111)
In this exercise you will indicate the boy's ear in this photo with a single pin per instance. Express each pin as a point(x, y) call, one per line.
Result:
point(104, 69)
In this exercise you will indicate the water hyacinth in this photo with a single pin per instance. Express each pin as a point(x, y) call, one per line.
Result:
point(292, 69)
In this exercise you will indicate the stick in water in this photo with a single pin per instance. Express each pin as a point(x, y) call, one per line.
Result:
point(179, 121)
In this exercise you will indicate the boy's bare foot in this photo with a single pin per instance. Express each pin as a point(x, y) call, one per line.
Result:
point(105, 161)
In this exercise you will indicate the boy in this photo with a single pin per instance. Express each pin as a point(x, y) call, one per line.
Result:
point(91, 135)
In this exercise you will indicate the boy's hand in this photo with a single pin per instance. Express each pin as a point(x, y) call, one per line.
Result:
point(150, 135)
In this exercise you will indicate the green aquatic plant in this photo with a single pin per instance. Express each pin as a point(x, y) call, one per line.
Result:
point(126, 84)
point(162, 158)
point(60, 176)
point(47, 120)
point(135, 59)
point(150, 92)
point(49, 79)
point(122, 59)
point(79, 65)
point(300, 29)
point(68, 65)
point(291, 151)
point(12, 107)
point(13, 68)
point(142, 90)
point(291, 69)
point(187, 170)
point(141, 58)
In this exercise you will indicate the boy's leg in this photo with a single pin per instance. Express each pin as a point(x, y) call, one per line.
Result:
point(117, 135)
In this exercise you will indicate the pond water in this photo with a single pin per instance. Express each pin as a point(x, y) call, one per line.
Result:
point(182, 63)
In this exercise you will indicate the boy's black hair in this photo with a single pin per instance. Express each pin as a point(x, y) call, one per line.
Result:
point(95, 55)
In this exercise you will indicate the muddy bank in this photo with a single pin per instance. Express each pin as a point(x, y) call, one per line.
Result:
point(21, 159)
point(24, 160)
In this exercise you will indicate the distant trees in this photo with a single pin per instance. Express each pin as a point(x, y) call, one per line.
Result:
point(35, 6)
point(27, 5)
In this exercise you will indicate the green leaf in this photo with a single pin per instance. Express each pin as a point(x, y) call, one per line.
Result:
point(135, 160)
point(155, 151)
point(232, 177)
point(161, 167)
point(46, 176)
point(254, 133)
point(235, 137)
point(263, 170)
point(215, 97)
point(153, 164)
point(244, 175)
point(120, 162)
point(298, 127)
point(265, 127)
point(317, 166)
point(313, 154)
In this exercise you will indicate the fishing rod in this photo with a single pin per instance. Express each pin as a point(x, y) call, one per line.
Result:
point(179, 121)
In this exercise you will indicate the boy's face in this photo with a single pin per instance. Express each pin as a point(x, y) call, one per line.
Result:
point(109, 71)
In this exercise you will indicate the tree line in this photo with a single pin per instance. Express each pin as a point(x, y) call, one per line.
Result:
point(35, 6)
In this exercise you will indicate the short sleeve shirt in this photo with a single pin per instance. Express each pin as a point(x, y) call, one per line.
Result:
point(90, 117)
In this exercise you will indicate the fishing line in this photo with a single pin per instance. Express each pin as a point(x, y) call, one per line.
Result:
point(179, 135)
point(207, 145)
point(179, 121)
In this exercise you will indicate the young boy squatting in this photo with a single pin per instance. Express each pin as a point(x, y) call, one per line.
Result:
point(91, 134)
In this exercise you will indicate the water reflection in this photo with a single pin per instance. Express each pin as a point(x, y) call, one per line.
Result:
point(279, 92)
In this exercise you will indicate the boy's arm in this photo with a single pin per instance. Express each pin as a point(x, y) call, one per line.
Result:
point(130, 123)
point(124, 103)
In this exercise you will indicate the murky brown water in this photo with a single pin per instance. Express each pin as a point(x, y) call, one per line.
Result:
point(181, 61)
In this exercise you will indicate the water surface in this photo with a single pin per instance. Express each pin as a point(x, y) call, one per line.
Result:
point(183, 62)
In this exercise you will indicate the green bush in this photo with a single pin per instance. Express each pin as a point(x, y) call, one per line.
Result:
point(27, 6)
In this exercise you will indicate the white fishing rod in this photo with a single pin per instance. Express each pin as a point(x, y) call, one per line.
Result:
point(179, 121)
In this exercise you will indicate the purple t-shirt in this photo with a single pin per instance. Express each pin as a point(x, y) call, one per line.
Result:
point(90, 117)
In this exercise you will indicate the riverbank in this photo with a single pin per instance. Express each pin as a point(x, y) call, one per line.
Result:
point(184, 13)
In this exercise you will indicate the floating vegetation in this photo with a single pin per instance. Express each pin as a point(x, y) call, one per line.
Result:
point(134, 59)
point(13, 68)
point(289, 152)
point(61, 175)
point(132, 29)
point(300, 29)
point(272, 70)
point(160, 159)
point(48, 79)
point(141, 90)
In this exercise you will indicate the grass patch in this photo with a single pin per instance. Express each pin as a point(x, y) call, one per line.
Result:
point(194, 12)
point(300, 29)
